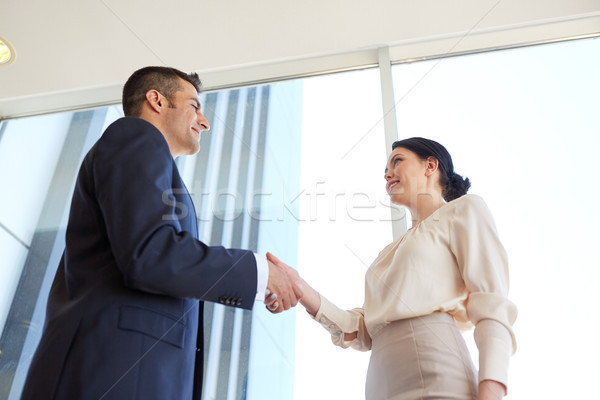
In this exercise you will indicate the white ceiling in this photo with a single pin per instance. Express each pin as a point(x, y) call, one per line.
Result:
point(78, 53)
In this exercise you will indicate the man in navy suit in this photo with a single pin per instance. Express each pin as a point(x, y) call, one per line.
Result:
point(123, 317)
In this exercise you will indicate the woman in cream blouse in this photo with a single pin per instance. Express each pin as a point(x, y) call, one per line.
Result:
point(448, 272)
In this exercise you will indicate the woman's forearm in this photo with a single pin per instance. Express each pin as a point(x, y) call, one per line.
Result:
point(311, 300)
point(491, 390)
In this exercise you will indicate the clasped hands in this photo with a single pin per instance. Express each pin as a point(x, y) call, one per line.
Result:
point(284, 288)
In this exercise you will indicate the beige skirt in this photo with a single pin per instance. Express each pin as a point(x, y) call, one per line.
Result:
point(423, 358)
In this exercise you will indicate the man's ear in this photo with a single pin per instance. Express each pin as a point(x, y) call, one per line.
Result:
point(155, 100)
point(432, 164)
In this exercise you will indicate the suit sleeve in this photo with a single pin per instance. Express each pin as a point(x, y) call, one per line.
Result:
point(484, 267)
point(133, 173)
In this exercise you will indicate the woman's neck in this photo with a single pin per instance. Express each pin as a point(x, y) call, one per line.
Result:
point(425, 205)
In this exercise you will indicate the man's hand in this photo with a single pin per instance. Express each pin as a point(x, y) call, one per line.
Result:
point(283, 290)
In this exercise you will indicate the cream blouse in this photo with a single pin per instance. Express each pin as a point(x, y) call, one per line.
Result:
point(450, 262)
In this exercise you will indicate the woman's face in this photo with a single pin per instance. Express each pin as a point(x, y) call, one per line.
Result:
point(406, 176)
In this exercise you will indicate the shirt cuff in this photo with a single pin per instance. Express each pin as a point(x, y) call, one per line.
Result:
point(262, 276)
point(494, 343)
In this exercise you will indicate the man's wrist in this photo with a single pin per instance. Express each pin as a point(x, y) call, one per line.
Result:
point(262, 276)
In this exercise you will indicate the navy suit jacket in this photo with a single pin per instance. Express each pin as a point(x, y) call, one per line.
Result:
point(122, 318)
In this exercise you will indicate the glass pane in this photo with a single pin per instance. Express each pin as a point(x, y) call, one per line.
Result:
point(248, 163)
point(39, 160)
point(295, 168)
point(42, 138)
point(523, 125)
point(238, 181)
point(345, 220)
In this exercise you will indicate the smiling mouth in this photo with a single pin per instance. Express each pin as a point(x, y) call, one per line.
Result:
point(391, 185)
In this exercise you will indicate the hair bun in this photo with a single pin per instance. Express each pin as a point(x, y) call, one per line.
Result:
point(457, 186)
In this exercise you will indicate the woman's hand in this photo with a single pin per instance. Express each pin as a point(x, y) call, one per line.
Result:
point(491, 390)
point(311, 300)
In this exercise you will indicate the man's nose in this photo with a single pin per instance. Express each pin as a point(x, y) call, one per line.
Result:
point(203, 122)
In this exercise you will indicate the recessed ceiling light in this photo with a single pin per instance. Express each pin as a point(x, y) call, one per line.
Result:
point(7, 53)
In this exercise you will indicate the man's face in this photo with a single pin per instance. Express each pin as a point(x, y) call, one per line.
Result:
point(183, 121)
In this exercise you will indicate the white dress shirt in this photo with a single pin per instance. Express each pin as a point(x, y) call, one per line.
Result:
point(262, 277)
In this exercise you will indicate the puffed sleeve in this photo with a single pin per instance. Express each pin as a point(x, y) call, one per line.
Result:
point(338, 321)
point(483, 264)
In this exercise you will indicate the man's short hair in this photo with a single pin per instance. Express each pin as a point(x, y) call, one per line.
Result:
point(163, 79)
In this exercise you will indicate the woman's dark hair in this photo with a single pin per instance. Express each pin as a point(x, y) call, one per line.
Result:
point(163, 79)
point(453, 185)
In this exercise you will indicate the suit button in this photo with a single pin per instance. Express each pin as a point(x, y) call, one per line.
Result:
point(228, 301)
point(239, 302)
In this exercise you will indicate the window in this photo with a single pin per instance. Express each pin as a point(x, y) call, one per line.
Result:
point(296, 168)
point(345, 220)
point(523, 125)
point(238, 180)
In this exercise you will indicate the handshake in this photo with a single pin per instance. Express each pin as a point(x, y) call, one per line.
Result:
point(286, 288)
